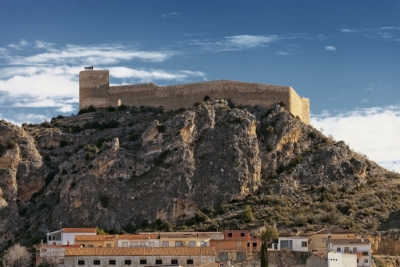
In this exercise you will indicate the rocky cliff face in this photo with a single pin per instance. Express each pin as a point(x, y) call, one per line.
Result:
point(128, 168)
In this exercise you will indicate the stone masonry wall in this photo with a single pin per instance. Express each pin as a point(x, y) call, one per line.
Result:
point(95, 90)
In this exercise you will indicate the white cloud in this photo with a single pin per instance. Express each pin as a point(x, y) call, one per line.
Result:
point(371, 131)
point(347, 30)
point(249, 41)
point(48, 76)
point(170, 15)
point(330, 48)
point(152, 74)
point(282, 53)
point(19, 45)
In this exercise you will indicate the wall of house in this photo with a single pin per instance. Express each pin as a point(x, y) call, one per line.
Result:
point(138, 242)
point(316, 241)
point(94, 90)
point(72, 261)
point(296, 243)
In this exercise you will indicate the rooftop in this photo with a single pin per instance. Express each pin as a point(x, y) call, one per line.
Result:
point(333, 231)
point(79, 230)
point(349, 241)
point(94, 237)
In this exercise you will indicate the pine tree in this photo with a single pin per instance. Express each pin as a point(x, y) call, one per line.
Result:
point(264, 255)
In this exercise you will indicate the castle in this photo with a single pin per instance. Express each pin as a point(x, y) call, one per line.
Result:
point(95, 89)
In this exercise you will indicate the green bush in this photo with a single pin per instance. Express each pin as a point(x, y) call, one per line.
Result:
point(11, 144)
point(247, 215)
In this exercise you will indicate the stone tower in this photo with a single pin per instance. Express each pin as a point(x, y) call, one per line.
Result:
point(93, 88)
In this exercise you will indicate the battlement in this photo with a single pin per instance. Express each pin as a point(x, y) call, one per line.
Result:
point(95, 89)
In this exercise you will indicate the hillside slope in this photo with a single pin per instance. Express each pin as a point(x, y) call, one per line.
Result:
point(188, 169)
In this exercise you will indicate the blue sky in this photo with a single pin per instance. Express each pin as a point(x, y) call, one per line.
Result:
point(344, 55)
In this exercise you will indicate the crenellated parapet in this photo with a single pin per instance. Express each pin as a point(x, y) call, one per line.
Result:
point(94, 89)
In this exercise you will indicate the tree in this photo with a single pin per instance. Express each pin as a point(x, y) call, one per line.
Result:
point(269, 234)
point(264, 254)
point(247, 215)
point(17, 256)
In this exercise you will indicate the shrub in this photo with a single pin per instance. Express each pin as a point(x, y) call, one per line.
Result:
point(247, 215)
point(111, 109)
point(134, 136)
point(63, 143)
point(122, 107)
point(49, 178)
point(104, 201)
point(11, 144)
point(87, 110)
point(161, 128)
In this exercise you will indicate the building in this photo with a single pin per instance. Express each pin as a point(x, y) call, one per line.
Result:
point(52, 254)
point(294, 243)
point(66, 236)
point(237, 246)
point(317, 241)
point(332, 259)
point(94, 241)
point(142, 256)
point(359, 247)
point(185, 239)
point(147, 240)
point(95, 90)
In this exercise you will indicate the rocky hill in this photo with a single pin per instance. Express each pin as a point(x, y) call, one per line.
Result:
point(209, 166)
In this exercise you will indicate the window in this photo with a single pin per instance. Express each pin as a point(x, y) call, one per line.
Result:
point(203, 244)
point(109, 245)
point(142, 244)
point(125, 244)
point(178, 243)
point(338, 249)
point(143, 262)
point(346, 249)
point(192, 243)
point(241, 234)
point(111, 262)
point(134, 244)
point(355, 250)
point(358, 261)
point(324, 240)
point(81, 262)
point(365, 253)
point(248, 244)
point(96, 262)
point(128, 262)
point(304, 244)
point(165, 244)
point(158, 261)
point(90, 245)
point(365, 260)
point(254, 244)
point(151, 244)
point(230, 234)
point(83, 245)
point(174, 261)
point(189, 261)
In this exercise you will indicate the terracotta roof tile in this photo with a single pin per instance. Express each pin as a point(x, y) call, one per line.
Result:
point(60, 246)
point(184, 235)
point(79, 230)
point(93, 237)
point(334, 231)
point(138, 237)
point(181, 251)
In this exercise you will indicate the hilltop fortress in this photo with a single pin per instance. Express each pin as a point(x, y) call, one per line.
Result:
point(95, 89)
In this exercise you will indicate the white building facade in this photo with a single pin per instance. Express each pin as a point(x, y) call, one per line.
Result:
point(359, 247)
point(299, 244)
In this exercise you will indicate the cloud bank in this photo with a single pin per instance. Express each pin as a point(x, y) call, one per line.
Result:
point(45, 75)
point(370, 131)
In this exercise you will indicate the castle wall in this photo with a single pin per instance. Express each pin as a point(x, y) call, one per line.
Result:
point(95, 90)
